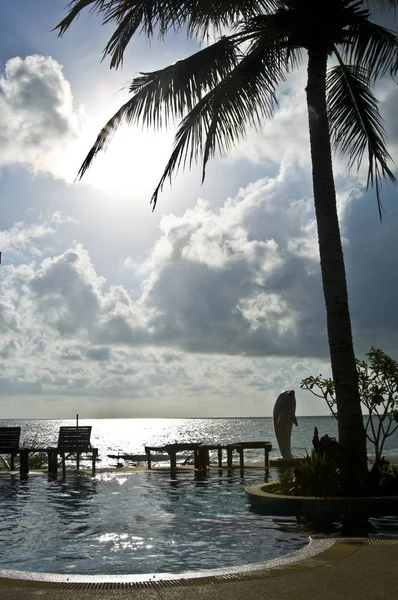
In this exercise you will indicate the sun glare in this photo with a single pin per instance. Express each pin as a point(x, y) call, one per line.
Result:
point(134, 160)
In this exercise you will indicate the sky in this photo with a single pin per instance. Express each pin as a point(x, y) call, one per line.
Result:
point(209, 306)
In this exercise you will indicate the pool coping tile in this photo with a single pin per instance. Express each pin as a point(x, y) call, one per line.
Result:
point(318, 552)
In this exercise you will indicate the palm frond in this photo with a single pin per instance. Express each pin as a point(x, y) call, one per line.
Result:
point(177, 88)
point(265, 29)
point(221, 117)
point(169, 93)
point(381, 5)
point(371, 47)
point(204, 16)
point(150, 16)
point(122, 35)
point(75, 7)
point(356, 124)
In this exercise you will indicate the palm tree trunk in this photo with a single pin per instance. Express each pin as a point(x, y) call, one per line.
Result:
point(350, 421)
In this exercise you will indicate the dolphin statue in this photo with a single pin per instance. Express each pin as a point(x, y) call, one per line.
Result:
point(284, 417)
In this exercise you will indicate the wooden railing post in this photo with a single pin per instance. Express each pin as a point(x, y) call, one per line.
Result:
point(24, 461)
point(219, 452)
point(266, 458)
point(173, 459)
point(229, 456)
point(52, 459)
point(241, 458)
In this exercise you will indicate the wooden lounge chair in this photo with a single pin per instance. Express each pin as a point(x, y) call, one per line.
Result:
point(71, 441)
point(9, 442)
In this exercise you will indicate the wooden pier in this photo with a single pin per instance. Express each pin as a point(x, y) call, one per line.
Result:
point(201, 454)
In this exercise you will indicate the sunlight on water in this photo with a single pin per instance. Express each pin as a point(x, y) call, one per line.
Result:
point(139, 523)
point(130, 436)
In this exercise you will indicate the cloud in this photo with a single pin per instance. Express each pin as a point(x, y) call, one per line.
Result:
point(372, 271)
point(9, 320)
point(38, 117)
point(285, 137)
point(241, 280)
point(182, 335)
point(229, 310)
point(66, 291)
point(22, 238)
point(388, 108)
point(100, 354)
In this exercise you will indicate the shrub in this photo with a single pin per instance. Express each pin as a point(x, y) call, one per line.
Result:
point(5, 464)
point(318, 475)
point(37, 460)
point(378, 389)
point(386, 480)
point(286, 484)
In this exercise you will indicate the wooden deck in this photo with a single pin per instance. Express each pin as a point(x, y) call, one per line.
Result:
point(200, 453)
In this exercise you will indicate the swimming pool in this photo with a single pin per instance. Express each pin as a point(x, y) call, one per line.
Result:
point(135, 523)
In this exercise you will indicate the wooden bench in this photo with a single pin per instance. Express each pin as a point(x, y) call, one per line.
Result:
point(72, 441)
point(9, 442)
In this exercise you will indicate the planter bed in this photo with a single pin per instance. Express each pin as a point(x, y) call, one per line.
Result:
point(263, 496)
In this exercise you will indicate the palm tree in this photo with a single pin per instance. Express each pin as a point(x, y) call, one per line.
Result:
point(218, 92)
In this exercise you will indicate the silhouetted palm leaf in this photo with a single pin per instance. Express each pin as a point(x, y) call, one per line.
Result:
point(150, 16)
point(75, 7)
point(221, 90)
point(221, 118)
point(122, 35)
point(356, 124)
point(373, 48)
point(169, 93)
point(381, 4)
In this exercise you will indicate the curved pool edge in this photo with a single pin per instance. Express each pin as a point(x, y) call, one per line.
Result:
point(310, 556)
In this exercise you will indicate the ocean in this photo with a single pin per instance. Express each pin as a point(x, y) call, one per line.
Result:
point(130, 436)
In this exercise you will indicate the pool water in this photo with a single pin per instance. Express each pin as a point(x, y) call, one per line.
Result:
point(136, 523)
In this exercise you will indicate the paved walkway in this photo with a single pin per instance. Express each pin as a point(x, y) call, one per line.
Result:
point(352, 571)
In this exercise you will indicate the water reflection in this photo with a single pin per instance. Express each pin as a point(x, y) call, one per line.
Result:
point(321, 526)
point(72, 497)
point(14, 493)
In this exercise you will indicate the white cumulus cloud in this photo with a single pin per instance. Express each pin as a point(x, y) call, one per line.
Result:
point(37, 113)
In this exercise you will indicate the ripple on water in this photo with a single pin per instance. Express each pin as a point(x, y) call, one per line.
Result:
point(134, 523)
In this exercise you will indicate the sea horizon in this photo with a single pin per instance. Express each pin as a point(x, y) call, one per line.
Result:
point(130, 435)
point(169, 418)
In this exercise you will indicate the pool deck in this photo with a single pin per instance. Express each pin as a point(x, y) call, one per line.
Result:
point(355, 569)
